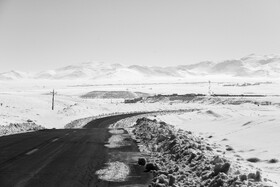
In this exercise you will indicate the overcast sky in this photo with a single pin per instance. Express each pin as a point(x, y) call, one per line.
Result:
point(46, 34)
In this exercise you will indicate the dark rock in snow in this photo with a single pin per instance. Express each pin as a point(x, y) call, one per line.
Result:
point(142, 161)
point(243, 177)
point(171, 180)
point(151, 167)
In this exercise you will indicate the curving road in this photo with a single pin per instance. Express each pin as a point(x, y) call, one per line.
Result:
point(65, 157)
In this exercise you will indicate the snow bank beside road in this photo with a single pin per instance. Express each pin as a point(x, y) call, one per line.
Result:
point(180, 158)
point(14, 128)
point(242, 131)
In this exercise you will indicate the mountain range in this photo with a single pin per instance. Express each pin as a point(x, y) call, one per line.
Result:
point(248, 66)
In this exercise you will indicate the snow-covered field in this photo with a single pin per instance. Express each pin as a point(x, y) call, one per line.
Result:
point(251, 130)
point(23, 101)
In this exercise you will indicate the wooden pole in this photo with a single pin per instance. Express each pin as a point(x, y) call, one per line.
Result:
point(53, 100)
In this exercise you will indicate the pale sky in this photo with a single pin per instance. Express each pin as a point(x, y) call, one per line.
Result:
point(46, 34)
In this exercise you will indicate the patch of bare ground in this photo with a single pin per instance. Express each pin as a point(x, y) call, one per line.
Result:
point(273, 161)
point(254, 160)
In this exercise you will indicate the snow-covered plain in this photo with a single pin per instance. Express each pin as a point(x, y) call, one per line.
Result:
point(22, 101)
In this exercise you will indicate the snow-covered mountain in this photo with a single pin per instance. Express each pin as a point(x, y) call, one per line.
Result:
point(13, 75)
point(90, 70)
point(248, 66)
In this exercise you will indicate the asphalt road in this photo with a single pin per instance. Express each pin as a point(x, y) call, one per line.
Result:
point(65, 157)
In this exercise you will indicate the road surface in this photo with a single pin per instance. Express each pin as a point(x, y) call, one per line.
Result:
point(65, 157)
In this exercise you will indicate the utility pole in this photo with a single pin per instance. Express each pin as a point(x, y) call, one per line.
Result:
point(53, 93)
point(209, 89)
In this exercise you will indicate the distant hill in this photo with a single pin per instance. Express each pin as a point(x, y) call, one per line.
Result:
point(114, 95)
point(13, 75)
point(248, 66)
